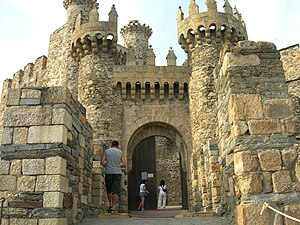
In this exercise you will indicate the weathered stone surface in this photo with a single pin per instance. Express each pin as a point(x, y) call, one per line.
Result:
point(52, 183)
point(8, 183)
point(290, 125)
point(261, 127)
point(53, 199)
point(250, 183)
point(55, 221)
point(16, 167)
point(270, 160)
point(68, 201)
point(33, 166)
point(245, 107)
point(15, 212)
point(26, 183)
point(20, 221)
point(278, 108)
point(232, 59)
point(7, 136)
point(31, 93)
point(294, 211)
point(297, 168)
point(48, 213)
point(13, 97)
point(245, 162)
point(282, 182)
point(20, 136)
point(47, 134)
point(56, 166)
point(289, 157)
point(267, 182)
point(278, 219)
point(239, 128)
point(17, 116)
point(4, 167)
point(63, 117)
point(25, 204)
point(250, 215)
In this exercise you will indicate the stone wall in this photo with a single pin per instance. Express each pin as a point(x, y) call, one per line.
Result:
point(259, 154)
point(290, 58)
point(46, 158)
point(168, 169)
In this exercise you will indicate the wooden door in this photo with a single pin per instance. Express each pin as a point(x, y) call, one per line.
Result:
point(184, 188)
point(143, 167)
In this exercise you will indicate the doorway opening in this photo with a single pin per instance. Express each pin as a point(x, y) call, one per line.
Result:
point(157, 158)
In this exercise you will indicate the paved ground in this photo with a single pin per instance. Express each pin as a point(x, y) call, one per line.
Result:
point(148, 217)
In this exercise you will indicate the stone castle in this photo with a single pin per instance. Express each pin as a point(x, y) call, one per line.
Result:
point(222, 129)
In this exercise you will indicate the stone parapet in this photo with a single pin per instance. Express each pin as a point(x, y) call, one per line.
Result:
point(46, 157)
point(253, 128)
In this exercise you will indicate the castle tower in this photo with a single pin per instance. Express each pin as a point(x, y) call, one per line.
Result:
point(61, 67)
point(94, 48)
point(76, 7)
point(137, 36)
point(202, 35)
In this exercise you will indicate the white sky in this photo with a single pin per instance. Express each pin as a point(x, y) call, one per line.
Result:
point(26, 25)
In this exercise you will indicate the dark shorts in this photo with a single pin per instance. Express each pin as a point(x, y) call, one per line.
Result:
point(113, 183)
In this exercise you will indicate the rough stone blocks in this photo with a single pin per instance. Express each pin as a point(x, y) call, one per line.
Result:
point(250, 183)
point(270, 160)
point(26, 183)
point(261, 127)
point(33, 166)
point(250, 215)
point(282, 181)
point(245, 162)
point(245, 107)
point(52, 183)
point(47, 134)
point(56, 166)
point(294, 211)
point(53, 199)
point(8, 183)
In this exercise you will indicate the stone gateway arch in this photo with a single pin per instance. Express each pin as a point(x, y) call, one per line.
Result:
point(222, 129)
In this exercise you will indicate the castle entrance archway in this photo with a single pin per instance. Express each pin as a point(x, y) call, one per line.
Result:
point(157, 151)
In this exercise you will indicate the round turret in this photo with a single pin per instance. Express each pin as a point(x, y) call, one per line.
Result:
point(94, 37)
point(75, 7)
point(210, 27)
point(136, 36)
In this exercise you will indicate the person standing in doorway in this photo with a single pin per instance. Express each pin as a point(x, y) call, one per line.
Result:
point(162, 196)
point(113, 160)
point(142, 193)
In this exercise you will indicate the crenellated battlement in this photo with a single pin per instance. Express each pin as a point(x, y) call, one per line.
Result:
point(95, 37)
point(32, 75)
point(134, 26)
point(210, 27)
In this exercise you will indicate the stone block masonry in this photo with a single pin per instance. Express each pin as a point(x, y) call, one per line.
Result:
point(253, 129)
point(46, 158)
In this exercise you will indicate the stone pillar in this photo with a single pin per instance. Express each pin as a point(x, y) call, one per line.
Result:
point(46, 154)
